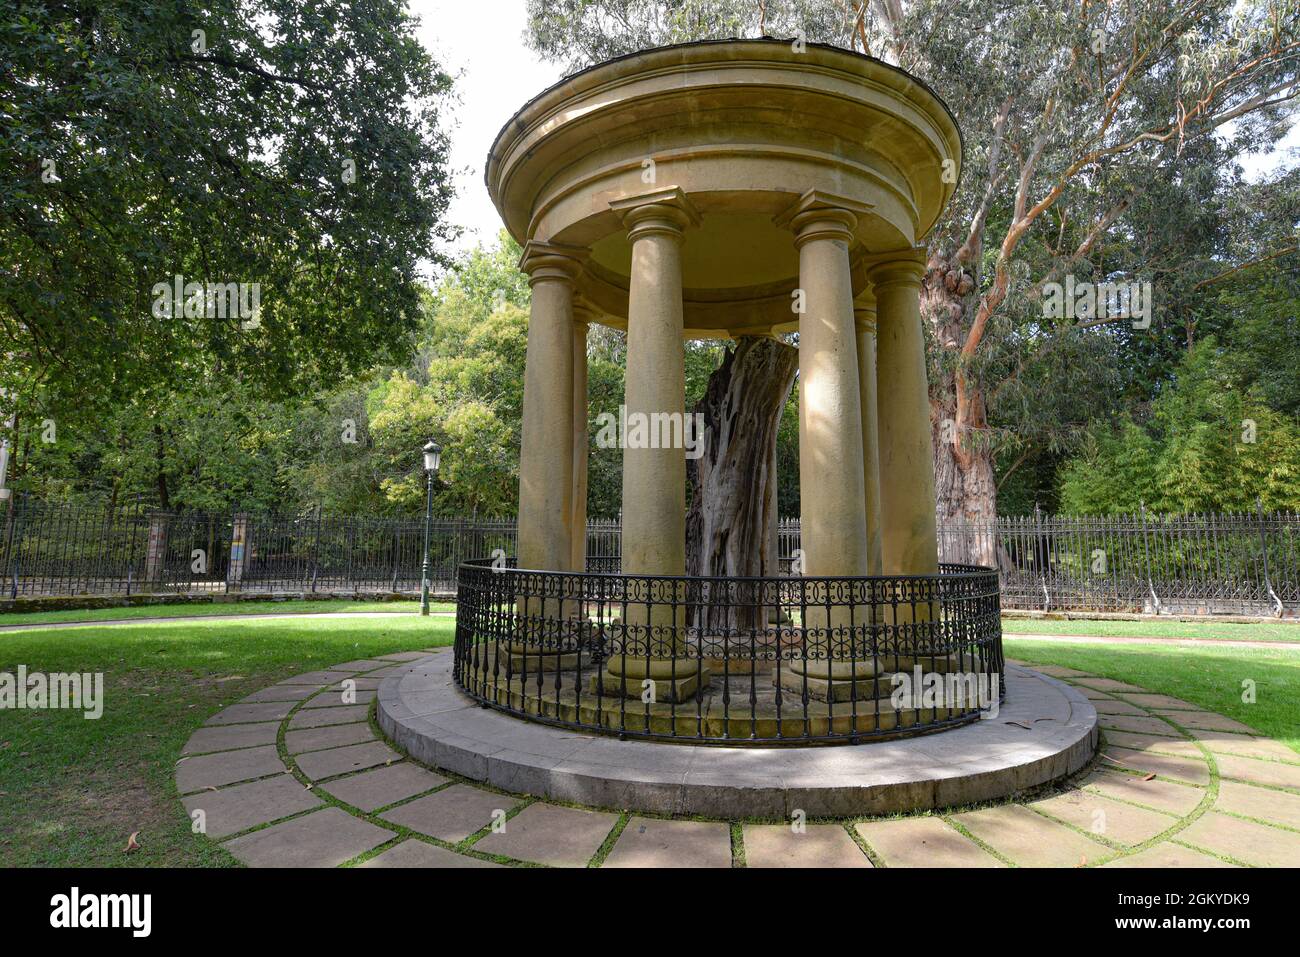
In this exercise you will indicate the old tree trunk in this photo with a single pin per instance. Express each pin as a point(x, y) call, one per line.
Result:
point(730, 526)
point(964, 483)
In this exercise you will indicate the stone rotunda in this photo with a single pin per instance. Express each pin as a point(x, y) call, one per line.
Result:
point(710, 191)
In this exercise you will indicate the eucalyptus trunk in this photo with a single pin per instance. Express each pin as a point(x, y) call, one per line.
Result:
point(730, 526)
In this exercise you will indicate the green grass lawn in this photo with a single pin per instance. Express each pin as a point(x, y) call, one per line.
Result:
point(1221, 630)
point(1209, 677)
point(73, 790)
point(221, 608)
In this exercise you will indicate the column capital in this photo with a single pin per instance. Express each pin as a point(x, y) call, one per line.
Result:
point(668, 211)
point(864, 311)
point(906, 267)
point(552, 261)
point(819, 215)
point(584, 313)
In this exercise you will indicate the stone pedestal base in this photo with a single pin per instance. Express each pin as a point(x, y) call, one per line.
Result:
point(837, 689)
point(667, 689)
point(522, 659)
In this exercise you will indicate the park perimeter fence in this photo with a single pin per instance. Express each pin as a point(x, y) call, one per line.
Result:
point(1245, 564)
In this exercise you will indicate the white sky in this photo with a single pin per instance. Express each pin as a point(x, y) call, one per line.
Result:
point(481, 43)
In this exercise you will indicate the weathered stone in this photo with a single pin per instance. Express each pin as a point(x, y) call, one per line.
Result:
point(816, 845)
point(326, 764)
point(239, 807)
point(330, 736)
point(227, 767)
point(233, 736)
point(1245, 841)
point(324, 838)
point(1265, 804)
point(1180, 799)
point(1204, 721)
point(320, 717)
point(1254, 771)
point(248, 713)
point(923, 842)
point(413, 853)
point(653, 842)
point(1168, 855)
point(1105, 817)
point(384, 786)
point(550, 834)
point(1030, 839)
point(1190, 769)
point(453, 813)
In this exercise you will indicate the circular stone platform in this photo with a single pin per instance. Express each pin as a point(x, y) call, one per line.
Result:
point(1046, 731)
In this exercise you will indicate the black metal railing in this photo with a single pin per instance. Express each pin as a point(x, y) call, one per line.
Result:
point(732, 660)
point(1247, 563)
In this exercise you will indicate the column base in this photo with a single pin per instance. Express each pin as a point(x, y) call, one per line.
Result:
point(667, 690)
point(521, 658)
point(836, 689)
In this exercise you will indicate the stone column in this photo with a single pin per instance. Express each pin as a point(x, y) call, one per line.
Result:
point(909, 540)
point(833, 510)
point(581, 441)
point(654, 478)
point(546, 448)
point(864, 315)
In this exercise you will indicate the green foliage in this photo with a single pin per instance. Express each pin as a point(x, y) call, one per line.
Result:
point(1208, 445)
point(221, 156)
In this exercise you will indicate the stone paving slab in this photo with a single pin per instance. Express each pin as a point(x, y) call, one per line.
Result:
point(1246, 841)
point(923, 842)
point(227, 767)
point(1227, 742)
point(324, 838)
point(819, 845)
point(317, 678)
point(281, 693)
point(1139, 725)
point(1149, 700)
point(1093, 695)
point(1168, 855)
point(381, 787)
point(453, 813)
point(1255, 771)
point(404, 656)
point(320, 717)
point(1030, 839)
point(550, 834)
point(1193, 770)
point(330, 736)
point(361, 664)
point(355, 757)
point(654, 842)
point(1106, 817)
point(1165, 796)
point(231, 736)
point(1115, 706)
point(241, 806)
point(1060, 671)
point(1152, 742)
point(362, 683)
point(248, 713)
point(1205, 721)
point(1107, 684)
point(413, 853)
point(1266, 804)
point(335, 699)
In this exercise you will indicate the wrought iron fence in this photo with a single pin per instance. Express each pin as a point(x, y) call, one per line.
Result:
point(1205, 563)
point(732, 660)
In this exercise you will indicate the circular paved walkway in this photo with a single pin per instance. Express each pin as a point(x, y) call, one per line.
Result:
point(297, 775)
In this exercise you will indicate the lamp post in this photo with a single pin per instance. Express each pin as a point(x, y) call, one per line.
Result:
point(432, 457)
